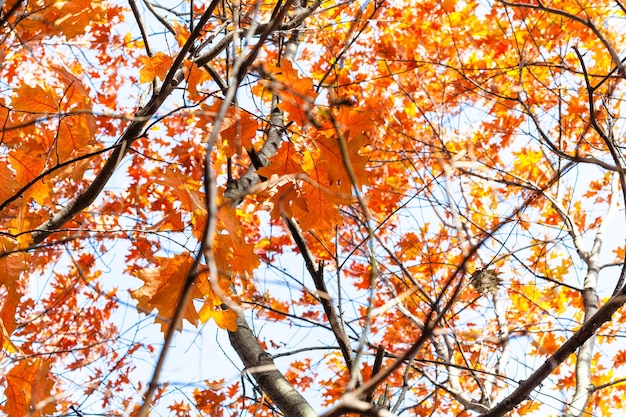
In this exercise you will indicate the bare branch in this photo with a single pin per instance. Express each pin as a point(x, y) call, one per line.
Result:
point(317, 274)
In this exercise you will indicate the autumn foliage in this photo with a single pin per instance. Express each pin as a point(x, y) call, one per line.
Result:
point(382, 207)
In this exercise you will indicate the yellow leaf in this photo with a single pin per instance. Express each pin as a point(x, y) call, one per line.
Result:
point(5, 340)
point(211, 309)
point(182, 33)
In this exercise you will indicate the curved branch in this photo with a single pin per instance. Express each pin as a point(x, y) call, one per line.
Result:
point(581, 336)
point(585, 22)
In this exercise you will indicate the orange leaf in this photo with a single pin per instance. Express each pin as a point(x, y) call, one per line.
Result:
point(11, 268)
point(240, 132)
point(68, 18)
point(180, 408)
point(182, 33)
point(549, 343)
point(234, 254)
point(282, 200)
point(527, 407)
point(26, 220)
point(29, 389)
point(180, 189)
point(195, 77)
point(75, 16)
point(154, 66)
point(321, 213)
point(212, 307)
point(297, 93)
point(620, 358)
point(5, 340)
point(74, 134)
point(8, 184)
point(27, 166)
point(209, 401)
point(31, 100)
point(277, 309)
point(238, 129)
point(286, 161)
point(332, 162)
point(162, 287)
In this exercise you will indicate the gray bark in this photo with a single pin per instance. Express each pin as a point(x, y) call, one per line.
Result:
point(272, 382)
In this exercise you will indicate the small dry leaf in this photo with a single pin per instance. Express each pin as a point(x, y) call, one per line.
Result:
point(485, 281)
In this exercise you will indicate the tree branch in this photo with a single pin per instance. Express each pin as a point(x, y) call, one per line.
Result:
point(84, 199)
point(317, 273)
point(587, 330)
point(272, 382)
point(585, 22)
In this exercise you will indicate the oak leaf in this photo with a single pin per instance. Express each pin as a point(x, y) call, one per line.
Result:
point(214, 306)
point(331, 161)
point(320, 209)
point(8, 184)
point(29, 389)
point(162, 287)
point(238, 128)
point(286, 161)
point(232, 251)
point(58, 17)
point(234, 254)
point(70, 105)
point(297, 93)
point(32, 100)
point(209, 401)
point(75, 16)
point(619, 359)
point(154, 66)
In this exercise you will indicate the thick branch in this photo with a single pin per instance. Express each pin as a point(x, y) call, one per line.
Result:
point(238, 189)
point(258, 362)
point(272, 382)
